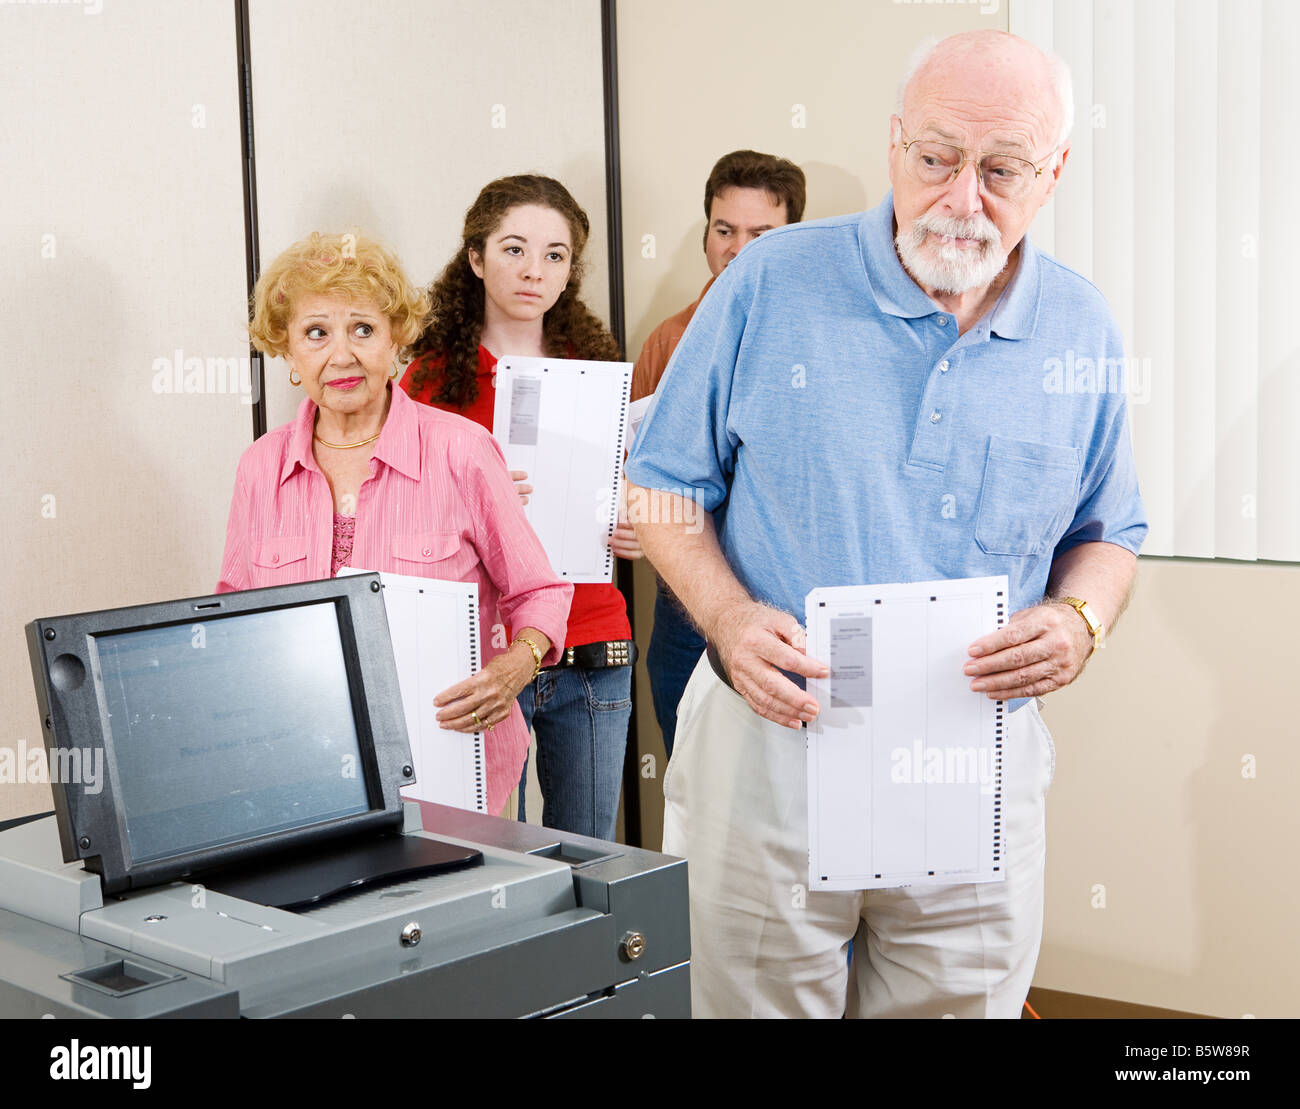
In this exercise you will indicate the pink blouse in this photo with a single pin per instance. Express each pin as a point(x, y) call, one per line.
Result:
point(439, 503)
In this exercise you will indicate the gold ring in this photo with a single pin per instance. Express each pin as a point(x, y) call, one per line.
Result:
point(476, 719)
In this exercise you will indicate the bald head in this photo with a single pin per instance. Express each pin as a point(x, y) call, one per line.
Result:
point(976, 149)
point(992, 74)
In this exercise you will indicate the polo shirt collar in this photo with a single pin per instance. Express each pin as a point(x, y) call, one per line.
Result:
point(897, 294)
point(1016, 313)
point(397, 445)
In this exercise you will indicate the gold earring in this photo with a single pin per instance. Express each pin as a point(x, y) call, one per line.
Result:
point(397, 369)
point(292, 374)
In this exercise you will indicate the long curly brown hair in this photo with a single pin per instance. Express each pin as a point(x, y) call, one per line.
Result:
point(455, 320)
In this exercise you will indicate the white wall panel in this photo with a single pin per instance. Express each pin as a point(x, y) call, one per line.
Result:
point(1279, 247)
point(1197, 148)
point(1195, 168)
point(1073, 202)
point(1114, 144)
point(1154, 261)
point(1236, 382)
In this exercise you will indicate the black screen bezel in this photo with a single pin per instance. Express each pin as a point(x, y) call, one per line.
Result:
point(92, 826)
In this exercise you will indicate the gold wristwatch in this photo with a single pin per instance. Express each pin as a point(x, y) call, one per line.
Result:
point(1095, 627)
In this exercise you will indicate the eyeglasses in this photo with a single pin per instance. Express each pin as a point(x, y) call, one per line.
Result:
point(937, 163)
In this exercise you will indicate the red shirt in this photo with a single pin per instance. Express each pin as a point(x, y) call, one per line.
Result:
point(599, 611)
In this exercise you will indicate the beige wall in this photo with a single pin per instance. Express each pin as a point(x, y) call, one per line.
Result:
point(1152, 799)
point(1149, 802)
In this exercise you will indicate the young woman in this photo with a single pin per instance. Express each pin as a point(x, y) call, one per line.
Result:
point(512, 288)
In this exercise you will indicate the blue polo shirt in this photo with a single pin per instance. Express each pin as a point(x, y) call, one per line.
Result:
point(826, 412)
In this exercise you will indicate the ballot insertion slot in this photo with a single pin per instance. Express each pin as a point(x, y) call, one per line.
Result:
point(574, 854)
point(119, 977)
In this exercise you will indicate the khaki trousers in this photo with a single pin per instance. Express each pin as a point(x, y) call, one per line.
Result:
point(762, 945)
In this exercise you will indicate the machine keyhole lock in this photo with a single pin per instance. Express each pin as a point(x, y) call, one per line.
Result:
point(632, 946)
point(411, 934)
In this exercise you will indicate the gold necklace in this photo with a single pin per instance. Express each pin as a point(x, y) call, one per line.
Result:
point(346, 446)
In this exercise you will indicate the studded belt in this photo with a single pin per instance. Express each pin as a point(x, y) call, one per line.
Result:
point(594, 656)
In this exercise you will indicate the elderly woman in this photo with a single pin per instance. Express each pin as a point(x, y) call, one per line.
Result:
point(364, 476)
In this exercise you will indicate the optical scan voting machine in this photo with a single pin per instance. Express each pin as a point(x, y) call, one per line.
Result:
point(229, 839)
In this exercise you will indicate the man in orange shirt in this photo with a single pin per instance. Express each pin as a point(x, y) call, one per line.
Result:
point(746, 194)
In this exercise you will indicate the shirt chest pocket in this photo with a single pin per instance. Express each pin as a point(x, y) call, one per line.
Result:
point(1028, 496)
point(281, 558)
point(433, 554)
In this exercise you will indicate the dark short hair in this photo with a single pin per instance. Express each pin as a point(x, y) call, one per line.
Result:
point(748, 169)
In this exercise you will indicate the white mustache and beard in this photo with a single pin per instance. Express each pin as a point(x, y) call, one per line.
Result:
point(946, 267)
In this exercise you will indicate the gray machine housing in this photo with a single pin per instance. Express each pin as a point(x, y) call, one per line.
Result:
point(551, 925)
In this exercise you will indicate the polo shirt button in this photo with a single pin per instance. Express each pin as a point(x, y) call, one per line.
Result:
point(943, 321)
point(943, 366)
point(427, 551)
point(935, 417)
point(274, 559)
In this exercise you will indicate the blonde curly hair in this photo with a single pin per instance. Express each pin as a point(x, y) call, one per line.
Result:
point(351, 266)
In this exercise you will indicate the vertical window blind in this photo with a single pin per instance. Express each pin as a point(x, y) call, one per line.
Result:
point(1177, 201)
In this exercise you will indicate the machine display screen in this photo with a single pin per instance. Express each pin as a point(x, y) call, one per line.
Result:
point(230, 728)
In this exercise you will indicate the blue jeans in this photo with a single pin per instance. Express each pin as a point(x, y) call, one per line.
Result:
point(675, 648)
point(580, 717)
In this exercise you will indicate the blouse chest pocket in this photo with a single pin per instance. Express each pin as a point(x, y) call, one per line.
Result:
point(432, 554)
point(280, 552)
point(1028, 496)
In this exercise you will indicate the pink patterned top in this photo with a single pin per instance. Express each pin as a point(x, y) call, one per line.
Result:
point(345, 533)
point(438, 503)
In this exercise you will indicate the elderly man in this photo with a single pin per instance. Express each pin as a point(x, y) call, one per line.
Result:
point(874, 411)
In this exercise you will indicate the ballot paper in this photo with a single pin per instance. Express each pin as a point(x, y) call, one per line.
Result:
point(564, 422)
point(636, 412)
point(904, 759)
point(435, 631)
